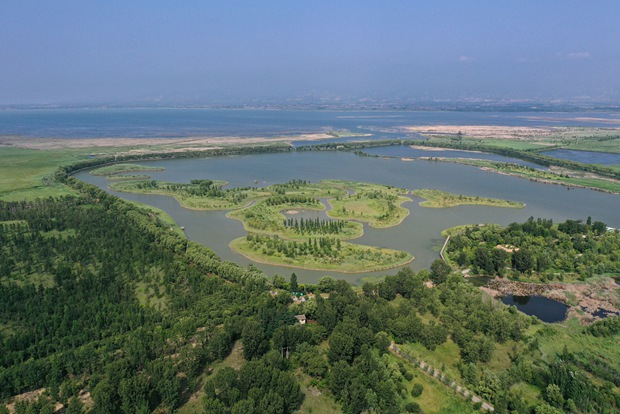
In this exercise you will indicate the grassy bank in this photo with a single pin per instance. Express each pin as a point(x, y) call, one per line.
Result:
point(442, 199)
point(553, 176)
point(124, 168)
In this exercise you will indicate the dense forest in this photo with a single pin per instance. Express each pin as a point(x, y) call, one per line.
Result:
point(111, 311)
point(540, 247)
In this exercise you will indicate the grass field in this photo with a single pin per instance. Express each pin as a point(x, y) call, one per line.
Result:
point(611, 145)
point(128, 177)
point(436, 397)
point(263, 219)
point(442, 199)
point(22, 173)
point(316, 401)
point(377, 205)
point(588, 348)
point(194, 403)
point(124, 168)
point(498, 143)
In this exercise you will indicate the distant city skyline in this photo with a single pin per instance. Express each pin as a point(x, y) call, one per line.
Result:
point(241, 52)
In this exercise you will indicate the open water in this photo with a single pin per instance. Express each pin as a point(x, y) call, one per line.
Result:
point(167, 123)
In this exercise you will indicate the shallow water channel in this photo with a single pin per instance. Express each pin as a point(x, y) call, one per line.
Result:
point(420, 232)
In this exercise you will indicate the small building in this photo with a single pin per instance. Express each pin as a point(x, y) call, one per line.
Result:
point(509, 248)
point(301, 319)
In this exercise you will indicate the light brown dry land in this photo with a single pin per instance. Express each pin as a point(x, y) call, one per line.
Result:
point(485, 131)
point(541, 135)
point(148, 144)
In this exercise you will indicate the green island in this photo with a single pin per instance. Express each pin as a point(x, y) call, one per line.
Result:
point(124, 168)
point(128, 177)
point(319, 253)
point(198, 194)
point(377, 205)
point(442, 199)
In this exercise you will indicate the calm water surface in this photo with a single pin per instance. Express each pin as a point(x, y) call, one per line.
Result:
point(587, 157)
point(547, 310)
point(182, 122)
point(419, 234)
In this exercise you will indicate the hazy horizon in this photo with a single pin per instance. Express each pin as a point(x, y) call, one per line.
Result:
point(243, 52)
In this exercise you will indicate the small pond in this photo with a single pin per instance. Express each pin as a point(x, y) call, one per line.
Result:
point(547, 310)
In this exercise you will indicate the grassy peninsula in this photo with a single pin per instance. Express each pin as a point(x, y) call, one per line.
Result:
point(124, 168)
point(442, 199)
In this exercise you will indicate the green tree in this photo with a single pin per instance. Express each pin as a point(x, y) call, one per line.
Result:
point(554, 396)
point(253, 338)
point(339, 378)
point(416, 390)
point(523, 260)
point(341, 347)
point(75, 406)
point(439, 271)
point(294, 285)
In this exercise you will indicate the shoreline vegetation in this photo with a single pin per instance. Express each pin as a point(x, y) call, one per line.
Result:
point(554, 175)
point(442, 199)
point(330, 255)
point(260, 211)
point(113, 169)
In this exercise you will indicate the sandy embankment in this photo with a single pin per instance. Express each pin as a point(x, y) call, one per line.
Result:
point(170, 144)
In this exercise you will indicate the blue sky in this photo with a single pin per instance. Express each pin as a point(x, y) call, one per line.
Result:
point(241, 51)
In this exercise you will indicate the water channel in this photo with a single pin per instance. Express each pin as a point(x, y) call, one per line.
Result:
point(420, 232)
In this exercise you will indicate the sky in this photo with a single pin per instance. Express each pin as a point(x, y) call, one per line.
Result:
point(233, 51)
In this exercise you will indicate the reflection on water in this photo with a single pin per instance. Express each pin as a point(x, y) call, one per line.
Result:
point(420, 232)
point(547, 310)
point(521, 300)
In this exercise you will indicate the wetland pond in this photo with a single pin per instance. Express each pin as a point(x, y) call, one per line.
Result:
point(419, 234)
point(547, 310)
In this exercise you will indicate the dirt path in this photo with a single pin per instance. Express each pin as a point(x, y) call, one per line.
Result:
point(434, 372)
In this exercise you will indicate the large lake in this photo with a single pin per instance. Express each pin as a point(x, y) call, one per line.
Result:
point(184, 122)
point(419, 234)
